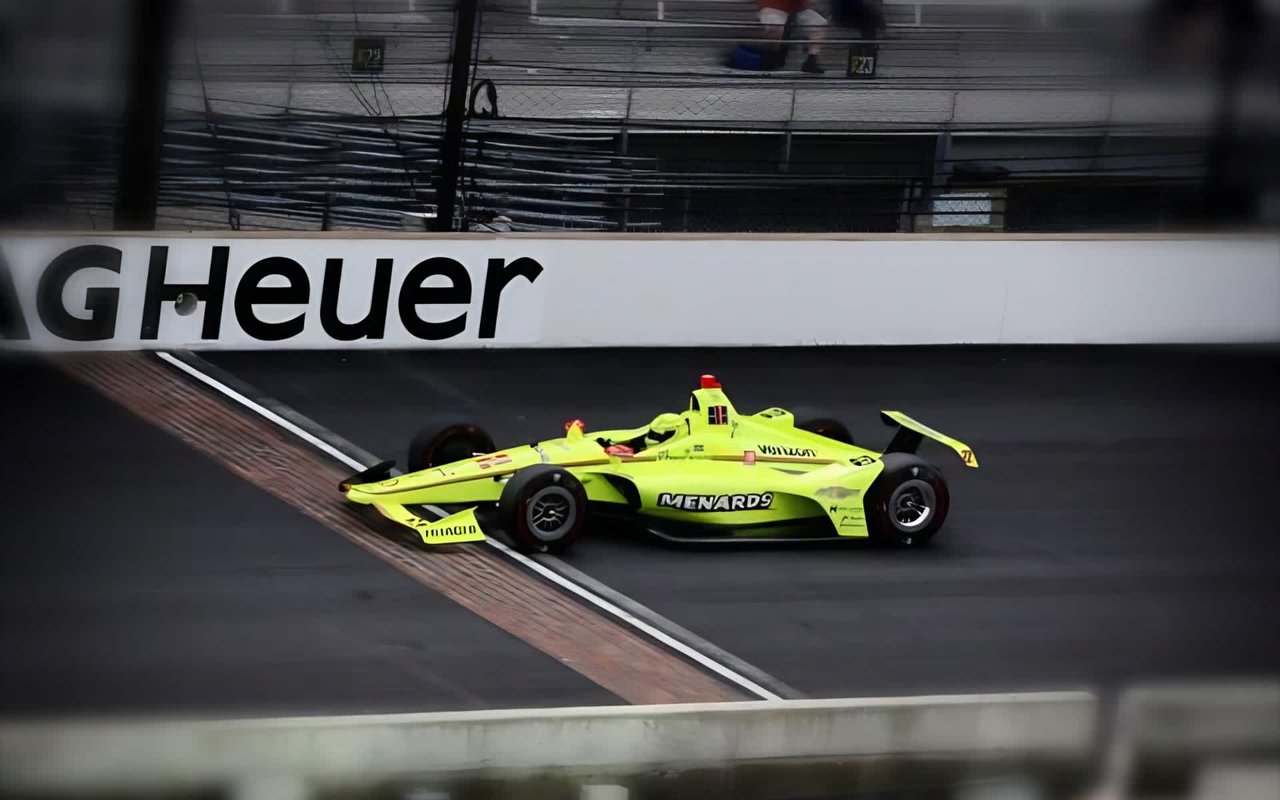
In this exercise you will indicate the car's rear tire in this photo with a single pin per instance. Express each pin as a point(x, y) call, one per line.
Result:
point(543, 508)
point(444, 444)
point(908, 501)
point(828, 427)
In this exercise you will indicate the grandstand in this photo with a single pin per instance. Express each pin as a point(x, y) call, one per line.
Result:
point(625, 115)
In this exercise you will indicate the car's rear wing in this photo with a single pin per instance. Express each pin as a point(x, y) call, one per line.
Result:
point(910, 433)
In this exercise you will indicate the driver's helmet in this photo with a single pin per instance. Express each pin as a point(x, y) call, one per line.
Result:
point(663, 427)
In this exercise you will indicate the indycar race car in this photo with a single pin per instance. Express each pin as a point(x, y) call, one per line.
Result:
point(706, 474)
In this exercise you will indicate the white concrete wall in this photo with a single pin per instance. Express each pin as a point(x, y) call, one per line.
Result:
point(682, 291)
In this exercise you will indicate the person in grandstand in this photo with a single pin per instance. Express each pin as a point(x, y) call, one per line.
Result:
point(774, 15)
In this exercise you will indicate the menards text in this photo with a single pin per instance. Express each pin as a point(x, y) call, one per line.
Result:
point(716, 502)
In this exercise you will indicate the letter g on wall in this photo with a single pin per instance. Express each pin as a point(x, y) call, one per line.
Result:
point(101, 303)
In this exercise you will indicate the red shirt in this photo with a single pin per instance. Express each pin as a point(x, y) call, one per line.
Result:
point(789, 6)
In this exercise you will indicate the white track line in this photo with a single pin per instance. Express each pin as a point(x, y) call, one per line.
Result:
point(639, 624)
point(556, 578)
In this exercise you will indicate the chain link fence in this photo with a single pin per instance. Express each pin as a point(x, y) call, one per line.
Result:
point(634, 115)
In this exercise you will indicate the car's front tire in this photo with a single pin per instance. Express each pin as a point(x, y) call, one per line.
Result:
point(447, 443)
point(543, 508)
point(908, 502)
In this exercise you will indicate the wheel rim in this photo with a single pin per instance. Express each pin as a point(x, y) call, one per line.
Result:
point(551, 513)
point(911, 505)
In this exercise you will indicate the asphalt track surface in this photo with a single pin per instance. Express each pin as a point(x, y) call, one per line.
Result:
point(1122, 527)
point(137, 575)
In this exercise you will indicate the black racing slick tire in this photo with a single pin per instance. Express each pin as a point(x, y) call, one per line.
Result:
point(444, 444)
point(543, 508)
point(830, 428)
point(908, 501)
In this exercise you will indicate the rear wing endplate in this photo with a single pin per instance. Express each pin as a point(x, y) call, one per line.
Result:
point(911, 433)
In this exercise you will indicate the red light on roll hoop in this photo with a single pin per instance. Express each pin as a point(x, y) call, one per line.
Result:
point(710, 382)
point(581, 425)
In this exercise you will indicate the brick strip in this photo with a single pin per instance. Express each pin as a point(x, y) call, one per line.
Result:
point(474, 576)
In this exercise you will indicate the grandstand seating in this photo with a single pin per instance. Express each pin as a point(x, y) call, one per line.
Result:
point(629, 64)
point(263, 101)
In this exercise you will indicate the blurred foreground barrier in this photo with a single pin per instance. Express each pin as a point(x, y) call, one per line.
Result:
point(749, 749)
point(1192, 741)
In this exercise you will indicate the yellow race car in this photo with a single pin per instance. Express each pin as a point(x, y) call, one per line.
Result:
point(708, 473)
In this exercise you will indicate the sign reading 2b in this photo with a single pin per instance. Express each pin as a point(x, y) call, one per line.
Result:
point(862, 61)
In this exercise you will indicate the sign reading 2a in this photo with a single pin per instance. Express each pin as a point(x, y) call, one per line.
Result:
point(367, 54)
